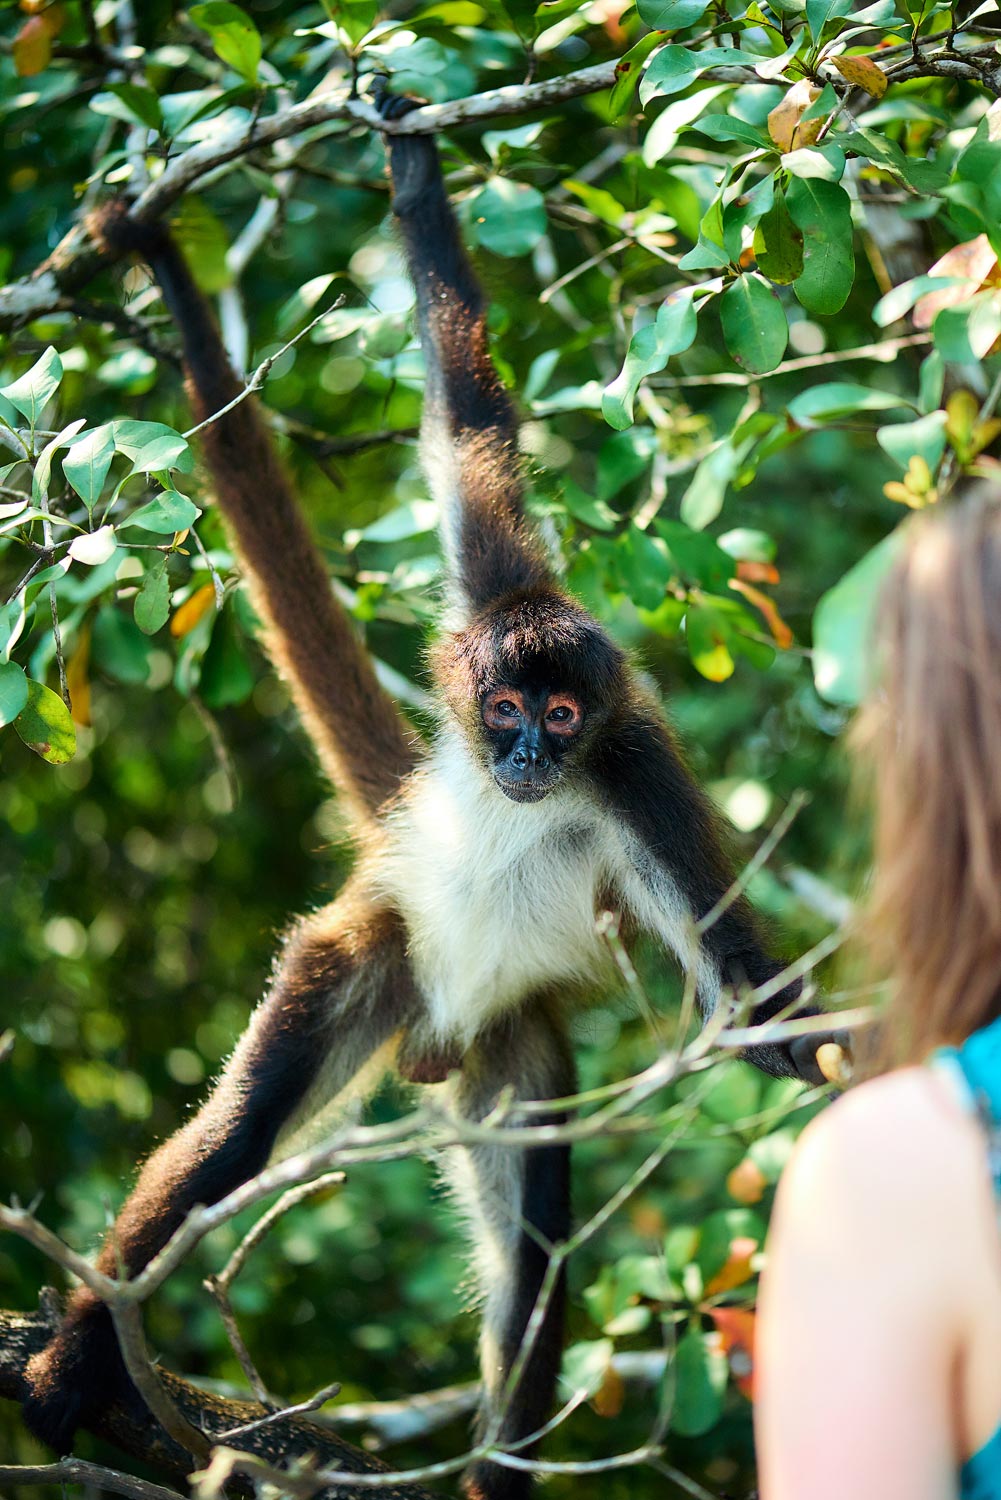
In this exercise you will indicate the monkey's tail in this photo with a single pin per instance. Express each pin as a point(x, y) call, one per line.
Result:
point(363, 744)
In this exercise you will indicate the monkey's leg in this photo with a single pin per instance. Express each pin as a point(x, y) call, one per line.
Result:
point(517, 1202)
point(340, 991)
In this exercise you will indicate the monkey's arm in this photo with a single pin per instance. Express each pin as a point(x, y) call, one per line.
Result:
point(469, 434)
point(362, 743)
point(677, 871)
point(342, 988)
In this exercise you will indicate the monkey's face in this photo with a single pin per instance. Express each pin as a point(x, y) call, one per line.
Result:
point(529, 732)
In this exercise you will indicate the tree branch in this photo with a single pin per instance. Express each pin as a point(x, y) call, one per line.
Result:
point(76, 260)
point(132, 1430)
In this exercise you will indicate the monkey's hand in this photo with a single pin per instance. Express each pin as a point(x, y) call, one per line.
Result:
point(817, 1057)
point(413, 159)
point(77, 1375)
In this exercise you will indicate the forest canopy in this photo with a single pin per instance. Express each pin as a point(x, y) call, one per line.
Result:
point(743, 271)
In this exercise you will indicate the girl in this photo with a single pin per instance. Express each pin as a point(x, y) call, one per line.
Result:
point(879, 1364)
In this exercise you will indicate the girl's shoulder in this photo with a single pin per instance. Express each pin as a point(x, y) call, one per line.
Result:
point(892, 1159)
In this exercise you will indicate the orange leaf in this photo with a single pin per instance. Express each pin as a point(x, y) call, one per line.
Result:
point(781, 633)
point(757, 572)
point(737, 1269)
point(863, 73)
point(78, 679)
point(975, 260)
point(746, 1182)
point(735, 1325)
point(784, 121)
point(187, 615)
point(32, 47)
point(610, 1396)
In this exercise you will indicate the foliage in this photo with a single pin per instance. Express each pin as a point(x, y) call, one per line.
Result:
point(749, 298)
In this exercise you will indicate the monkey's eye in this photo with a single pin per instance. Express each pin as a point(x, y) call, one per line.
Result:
point(507, 708)
point(563, 716)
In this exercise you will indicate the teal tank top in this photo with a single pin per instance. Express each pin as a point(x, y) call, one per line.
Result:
point(977, 1063)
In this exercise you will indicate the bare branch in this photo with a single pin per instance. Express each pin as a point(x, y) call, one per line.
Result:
point(131, 1430)
point(95, 1476)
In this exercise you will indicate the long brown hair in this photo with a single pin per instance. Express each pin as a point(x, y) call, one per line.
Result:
point(931, 732)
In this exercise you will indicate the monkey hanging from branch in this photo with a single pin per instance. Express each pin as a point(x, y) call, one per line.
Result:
point(553, 790)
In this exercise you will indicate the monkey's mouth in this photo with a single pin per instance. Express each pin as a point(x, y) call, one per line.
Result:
point(525, 791)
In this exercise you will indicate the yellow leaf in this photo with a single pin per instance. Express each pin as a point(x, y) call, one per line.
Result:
point(784, 121)
point(973, 259)
point(746, 1182)
point(898, 492)
point(187, 615)
point(608, 1399)
point(78, 679)
point(737, 1269)
point(863, 73)
point(32, 47)
point(781, 634)
point(735, 1326)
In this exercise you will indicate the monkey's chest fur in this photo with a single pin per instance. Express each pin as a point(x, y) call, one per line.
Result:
point(499, 898)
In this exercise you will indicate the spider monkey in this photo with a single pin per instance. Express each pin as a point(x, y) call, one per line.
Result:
point(553, 790)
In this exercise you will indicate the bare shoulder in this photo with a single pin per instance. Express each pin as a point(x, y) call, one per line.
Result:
point(896, 1154)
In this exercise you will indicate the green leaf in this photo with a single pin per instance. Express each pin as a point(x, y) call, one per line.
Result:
point(227, 676)
point(414, 519)
point(43, 468)
point(168, 513)
point(33, 390)
point(118, 646)
point(627, 75)
point(696, 556)
point(87, 463)
point(822, 212)
point(924, 438)
point(507, 217)
point(594, 513)
point(93, 547)
point(204, 243)
point(703, 500)
point(721, 1229)
point(153, 446)
point(840, 398)
point(748, 546)
point(675, 67)
point(13, 691)
point(645, 566)
point(820, 12)
point(707, 635)
point(650, 348)
point(778, 244)
point(623, 458)
point(585, 1366)
point(825, 162)
point(900, 299)
point(729, 128)
point(129, 102)
point(671, 15)
point(152, 602)
point(965, 335)
point(918, 172)
point(235, 39)
point(842, 626)
point(754, 324)
point(45, 725)
point(699, 1371)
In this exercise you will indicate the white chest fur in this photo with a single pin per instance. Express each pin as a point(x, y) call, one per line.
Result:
point(499, 898)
